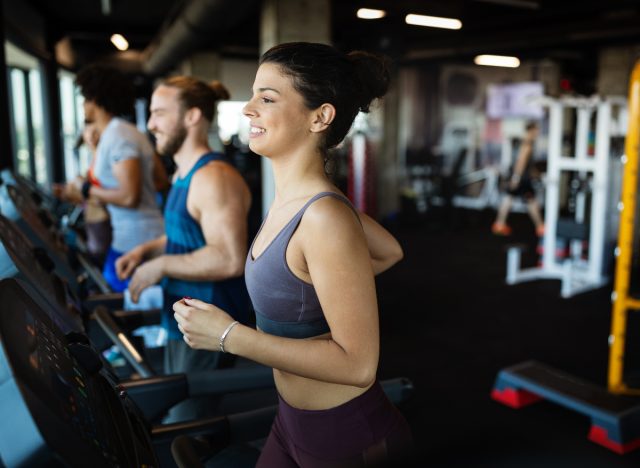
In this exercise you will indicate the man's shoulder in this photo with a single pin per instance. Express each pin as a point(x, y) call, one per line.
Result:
point(218, 177)
point(216, 169)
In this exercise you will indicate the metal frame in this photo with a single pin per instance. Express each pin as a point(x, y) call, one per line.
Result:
point(622, 302)
point(576, 274)
point(489, 196)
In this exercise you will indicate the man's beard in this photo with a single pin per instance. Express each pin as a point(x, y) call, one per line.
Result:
point(174, 142)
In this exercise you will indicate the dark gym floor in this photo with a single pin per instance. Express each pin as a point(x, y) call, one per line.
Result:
point(449, 322)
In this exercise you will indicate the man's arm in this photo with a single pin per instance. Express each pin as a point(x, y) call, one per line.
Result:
point(127, 263)
point(219, 200)
point(521, 161)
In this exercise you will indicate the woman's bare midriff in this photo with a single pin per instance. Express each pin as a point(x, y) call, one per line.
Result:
point(310, 394)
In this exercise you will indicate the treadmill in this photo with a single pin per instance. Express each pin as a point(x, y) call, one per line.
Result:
point(20, 260)
point(36, 223)
point(61, 407)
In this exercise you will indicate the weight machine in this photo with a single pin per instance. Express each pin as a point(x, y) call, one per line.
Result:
point(577, 273)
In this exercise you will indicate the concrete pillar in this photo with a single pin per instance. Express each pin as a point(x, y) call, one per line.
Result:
point(237, 75)
point(202, 65)
point(387, 167)
point(294, 20)
point(614, 68)
point(290, 21)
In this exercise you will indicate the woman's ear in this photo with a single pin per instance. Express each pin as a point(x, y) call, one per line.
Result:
point(322, 118)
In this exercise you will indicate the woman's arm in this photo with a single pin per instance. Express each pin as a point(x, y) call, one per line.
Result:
point(384, 249)
point(340, 267)
point(127, 194)
point(70, 191)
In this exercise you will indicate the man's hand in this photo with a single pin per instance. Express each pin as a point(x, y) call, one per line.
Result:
point(128, 262)
point(147, 274)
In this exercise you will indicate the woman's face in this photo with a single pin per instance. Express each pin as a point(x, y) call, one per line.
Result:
point(280, 122)
point(90, 135)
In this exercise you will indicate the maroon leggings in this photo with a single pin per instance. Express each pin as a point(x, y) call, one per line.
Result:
point(366, 431)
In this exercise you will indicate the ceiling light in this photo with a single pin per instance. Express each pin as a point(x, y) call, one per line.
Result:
point(433, 21)
point(120, 42)
point(497, 61)
point(368, 13)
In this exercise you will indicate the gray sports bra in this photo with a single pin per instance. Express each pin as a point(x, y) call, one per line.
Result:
point(284, 304)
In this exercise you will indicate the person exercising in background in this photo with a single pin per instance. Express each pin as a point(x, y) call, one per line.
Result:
point(124, 164)
point(97, 226)
point(520, 186)
point(202, 251)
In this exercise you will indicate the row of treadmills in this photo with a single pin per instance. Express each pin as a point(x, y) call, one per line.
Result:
point(63, 404)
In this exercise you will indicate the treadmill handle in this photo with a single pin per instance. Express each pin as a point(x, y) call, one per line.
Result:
point(93, 273)
point(117, 336)
point(235, 379)
point(132, 319)
point(111, 301)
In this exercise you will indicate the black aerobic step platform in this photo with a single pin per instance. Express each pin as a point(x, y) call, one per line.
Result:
point(615, 420)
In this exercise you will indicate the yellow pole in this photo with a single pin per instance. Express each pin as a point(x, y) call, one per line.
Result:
point(621, 301)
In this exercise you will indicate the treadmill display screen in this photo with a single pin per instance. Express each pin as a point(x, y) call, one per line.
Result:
point(79, 414)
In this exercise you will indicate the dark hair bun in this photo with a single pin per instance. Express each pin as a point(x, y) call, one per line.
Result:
point(373, 76)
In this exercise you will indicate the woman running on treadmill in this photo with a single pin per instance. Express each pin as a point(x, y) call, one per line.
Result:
point(310, 270)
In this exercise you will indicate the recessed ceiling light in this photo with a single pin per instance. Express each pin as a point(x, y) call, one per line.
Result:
point(368, 13)
point(433, 21)
point(497, 61)
point(119, 41)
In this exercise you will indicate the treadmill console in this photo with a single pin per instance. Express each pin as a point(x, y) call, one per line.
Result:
point(19, 208)
point(20, 258)
point(58, 404)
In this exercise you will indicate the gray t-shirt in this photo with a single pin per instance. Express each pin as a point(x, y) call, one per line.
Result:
point(131, 226)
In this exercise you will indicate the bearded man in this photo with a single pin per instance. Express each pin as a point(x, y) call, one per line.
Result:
point(203, 251)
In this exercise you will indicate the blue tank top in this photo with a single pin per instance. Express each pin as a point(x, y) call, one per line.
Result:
point(184, 235)
point(284, 304)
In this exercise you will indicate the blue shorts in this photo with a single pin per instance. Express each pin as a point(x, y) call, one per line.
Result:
point(109, 272)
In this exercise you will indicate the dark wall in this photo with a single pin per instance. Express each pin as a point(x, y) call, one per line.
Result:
point(25, 27)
